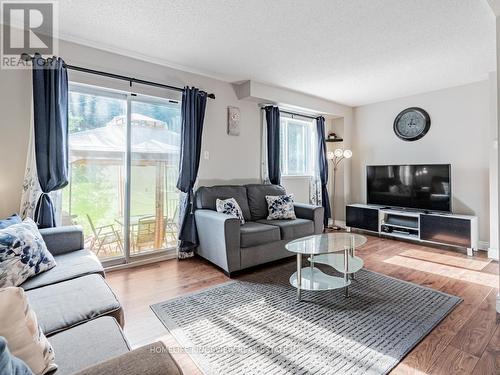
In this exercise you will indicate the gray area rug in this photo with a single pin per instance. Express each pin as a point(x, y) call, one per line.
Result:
point(255, 325)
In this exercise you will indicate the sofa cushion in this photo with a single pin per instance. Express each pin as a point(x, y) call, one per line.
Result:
point(254, 234)
point(257, 198)
point(291, 229)
point(88, 344)
point(69, 303)
point(69, 266)
point(206, 197)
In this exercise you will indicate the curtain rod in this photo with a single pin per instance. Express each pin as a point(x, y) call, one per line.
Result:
point(294, 114)
point(27, 57)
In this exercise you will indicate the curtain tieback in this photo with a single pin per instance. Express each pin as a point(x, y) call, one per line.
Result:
point(37, 209)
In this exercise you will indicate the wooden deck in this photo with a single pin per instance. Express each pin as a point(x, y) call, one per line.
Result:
point(466, 342)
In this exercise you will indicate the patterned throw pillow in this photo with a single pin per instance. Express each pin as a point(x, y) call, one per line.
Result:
point(19, 326)
point(11, 220)
point(280, 207)
point(23, 253)
point(230, 207)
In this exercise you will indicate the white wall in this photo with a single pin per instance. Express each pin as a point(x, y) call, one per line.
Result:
point(15, 107)
point(232, 159)
point(459, 134)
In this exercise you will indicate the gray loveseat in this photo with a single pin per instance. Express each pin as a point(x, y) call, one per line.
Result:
point(234, 247)
point(81, 316)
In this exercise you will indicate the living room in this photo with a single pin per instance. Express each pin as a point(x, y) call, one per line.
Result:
point(289, 187)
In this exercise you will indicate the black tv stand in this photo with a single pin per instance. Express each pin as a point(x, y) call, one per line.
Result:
point(424, 226)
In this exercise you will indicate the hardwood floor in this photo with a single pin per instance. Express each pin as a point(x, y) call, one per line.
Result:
point(466, 342)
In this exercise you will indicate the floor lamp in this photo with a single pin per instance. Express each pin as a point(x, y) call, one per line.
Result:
point(336, 158)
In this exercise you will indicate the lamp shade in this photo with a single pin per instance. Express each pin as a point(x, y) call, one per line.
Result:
point(347, 154)
point(330, 155)
point(338, 152)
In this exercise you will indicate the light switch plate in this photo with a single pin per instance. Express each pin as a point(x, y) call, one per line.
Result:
point(206, 155)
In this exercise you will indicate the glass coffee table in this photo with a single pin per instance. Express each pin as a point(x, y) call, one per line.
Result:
point(336, 250)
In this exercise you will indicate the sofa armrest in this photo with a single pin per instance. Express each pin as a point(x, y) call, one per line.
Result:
point(311, 212)
point(219, 237)
point(60, 240)
point(152, 359)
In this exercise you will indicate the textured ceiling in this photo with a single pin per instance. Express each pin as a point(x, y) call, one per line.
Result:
point(350, 51)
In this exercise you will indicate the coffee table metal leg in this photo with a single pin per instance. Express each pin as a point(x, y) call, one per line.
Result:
point(351, 254)
point(346, 271)
point(299, 275)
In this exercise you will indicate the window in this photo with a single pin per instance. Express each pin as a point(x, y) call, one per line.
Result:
point(297, 147)
point(124, 155)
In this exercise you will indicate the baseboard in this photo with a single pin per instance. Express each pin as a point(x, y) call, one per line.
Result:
point(483, 245)
point(340, 223)
point(493, 253)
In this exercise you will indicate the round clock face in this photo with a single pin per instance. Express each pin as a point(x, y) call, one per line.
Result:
point(412, 124)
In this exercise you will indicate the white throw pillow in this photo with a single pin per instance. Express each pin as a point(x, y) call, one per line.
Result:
point(280, 207)
point(230, 207)
point(23, 253)
point(19, 326)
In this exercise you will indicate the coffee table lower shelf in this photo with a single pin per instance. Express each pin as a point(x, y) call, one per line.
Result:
point(315, 279)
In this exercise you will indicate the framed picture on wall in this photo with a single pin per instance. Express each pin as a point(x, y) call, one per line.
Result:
point(233, 121)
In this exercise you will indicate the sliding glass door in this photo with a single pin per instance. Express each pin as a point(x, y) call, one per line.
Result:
point(124, 153)
point(154, 164)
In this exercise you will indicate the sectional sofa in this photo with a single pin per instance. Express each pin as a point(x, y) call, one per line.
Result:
point(81, 316)
point(234, 247)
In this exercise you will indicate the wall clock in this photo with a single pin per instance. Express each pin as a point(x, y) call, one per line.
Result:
point(412, 124)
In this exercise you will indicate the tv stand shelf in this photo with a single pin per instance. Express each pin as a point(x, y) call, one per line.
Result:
point(438, 228)
point(399, 224)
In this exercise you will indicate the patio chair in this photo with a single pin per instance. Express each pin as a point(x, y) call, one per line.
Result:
point(105, 235)
point(146, 232)
point(171, 225)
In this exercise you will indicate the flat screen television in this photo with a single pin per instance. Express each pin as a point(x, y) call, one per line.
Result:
point(423, 187)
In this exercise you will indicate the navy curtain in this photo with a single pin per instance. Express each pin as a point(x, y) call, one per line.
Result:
point(193, 107)
point(273, 144)
point(50, 104)
point(323, 168)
